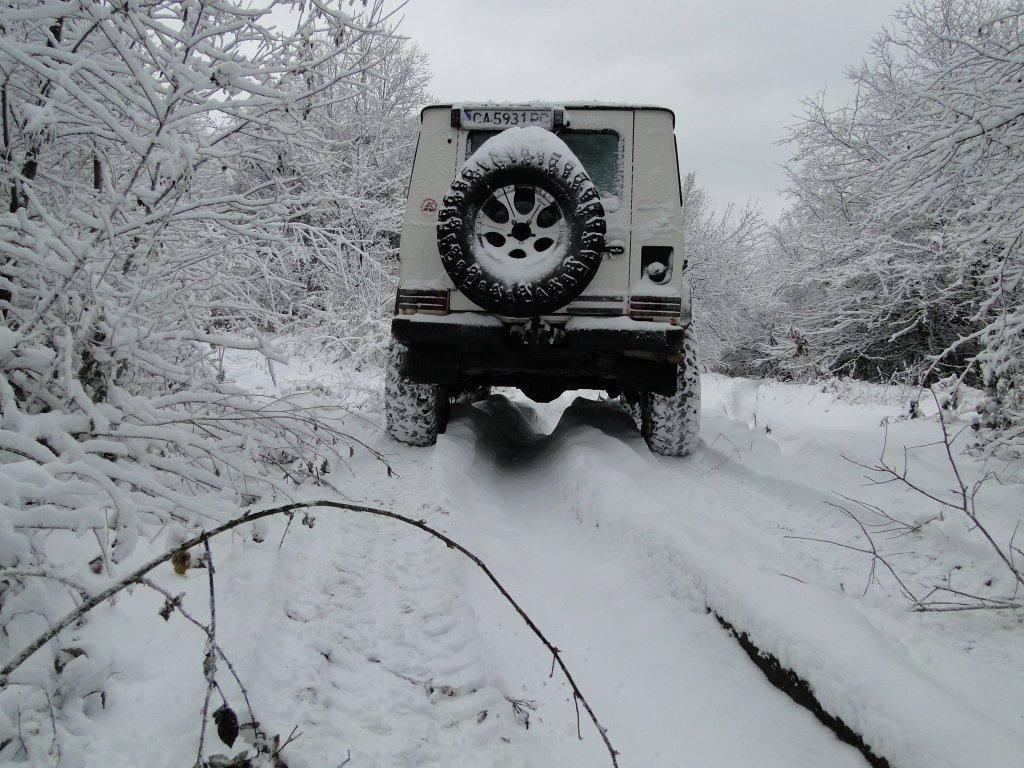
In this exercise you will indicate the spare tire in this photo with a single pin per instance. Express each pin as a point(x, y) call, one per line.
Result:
point(521, 230)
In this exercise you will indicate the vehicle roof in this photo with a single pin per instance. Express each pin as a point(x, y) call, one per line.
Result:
point(553, 105)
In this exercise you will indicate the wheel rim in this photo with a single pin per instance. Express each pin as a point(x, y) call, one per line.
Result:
point(520, 230)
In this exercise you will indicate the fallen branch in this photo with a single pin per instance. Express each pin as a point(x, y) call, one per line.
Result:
point(976, 602)
point(965, 504)
point(877, 556)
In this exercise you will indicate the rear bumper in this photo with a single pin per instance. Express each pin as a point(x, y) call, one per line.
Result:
point(474, 350)
point(615, 335)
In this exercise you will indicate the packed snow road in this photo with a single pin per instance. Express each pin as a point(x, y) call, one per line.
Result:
point(385, 649)
point(575, 524)
point(619, 554)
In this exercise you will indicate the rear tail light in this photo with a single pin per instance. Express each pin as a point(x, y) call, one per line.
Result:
point(592, 304)
point(433, 301)
point(663, 308)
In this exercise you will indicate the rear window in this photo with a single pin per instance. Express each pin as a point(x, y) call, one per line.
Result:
point(599, 152)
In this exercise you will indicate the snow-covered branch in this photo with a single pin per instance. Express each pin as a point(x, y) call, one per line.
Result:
point(909, 210)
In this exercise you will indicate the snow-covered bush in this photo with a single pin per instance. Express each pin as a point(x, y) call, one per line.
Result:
point(346, 165)
point(131, 255)
point(908, 224)
point(730, 269)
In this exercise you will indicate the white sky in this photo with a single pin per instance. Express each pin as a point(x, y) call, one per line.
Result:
point(733, 71)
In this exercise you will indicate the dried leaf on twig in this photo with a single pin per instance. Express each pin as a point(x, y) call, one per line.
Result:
point(227, 724)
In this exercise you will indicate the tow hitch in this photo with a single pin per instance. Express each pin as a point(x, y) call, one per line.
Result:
point(535, 332)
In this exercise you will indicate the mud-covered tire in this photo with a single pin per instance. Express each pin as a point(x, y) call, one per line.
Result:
point(521, 230)
point(671, 425)
point(415, 412)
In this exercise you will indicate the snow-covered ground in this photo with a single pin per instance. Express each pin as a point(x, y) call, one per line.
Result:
point(385, 648)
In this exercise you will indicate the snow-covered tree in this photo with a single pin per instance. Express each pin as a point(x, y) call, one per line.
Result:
point(347, 165)
point(130, 246)
point(732, 283)
point(909, 207)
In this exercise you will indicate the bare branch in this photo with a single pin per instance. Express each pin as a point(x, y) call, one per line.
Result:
point(203, 538)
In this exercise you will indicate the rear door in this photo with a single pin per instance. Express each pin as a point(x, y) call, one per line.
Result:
point(602, 139)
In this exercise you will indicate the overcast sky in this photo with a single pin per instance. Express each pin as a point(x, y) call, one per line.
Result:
point(733, 71)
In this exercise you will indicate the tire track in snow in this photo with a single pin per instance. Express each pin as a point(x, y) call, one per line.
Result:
point(562, 520)
point(369, 647)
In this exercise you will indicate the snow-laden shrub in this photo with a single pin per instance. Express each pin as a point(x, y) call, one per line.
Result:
point(731, 275)
point(333, 280)
point(132, 253)
point(907, 232)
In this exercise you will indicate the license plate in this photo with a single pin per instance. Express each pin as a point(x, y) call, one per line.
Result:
point(489, 119)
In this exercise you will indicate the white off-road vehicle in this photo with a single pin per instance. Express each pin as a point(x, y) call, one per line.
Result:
point(542, 248)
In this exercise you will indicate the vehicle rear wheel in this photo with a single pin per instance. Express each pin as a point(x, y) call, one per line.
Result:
point(671, 425)
point(415, 412)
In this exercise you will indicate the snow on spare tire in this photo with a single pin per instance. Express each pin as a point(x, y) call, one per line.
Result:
point(521, 229)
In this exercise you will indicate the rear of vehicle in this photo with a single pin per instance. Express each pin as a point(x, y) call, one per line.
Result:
point(542, 248)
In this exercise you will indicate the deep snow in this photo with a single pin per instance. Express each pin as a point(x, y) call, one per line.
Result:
point(381, 645)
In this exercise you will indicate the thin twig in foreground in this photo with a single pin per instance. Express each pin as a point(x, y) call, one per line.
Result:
point(252, 516)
